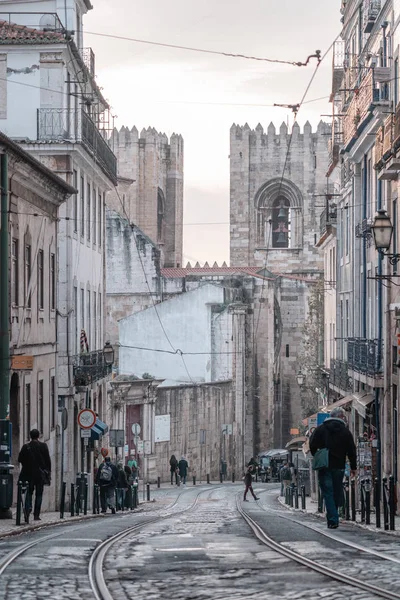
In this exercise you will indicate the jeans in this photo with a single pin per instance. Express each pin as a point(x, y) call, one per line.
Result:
point(38, 488)
point(331, 484)
point(107, 497)
point(172, 477)
point(183, 479)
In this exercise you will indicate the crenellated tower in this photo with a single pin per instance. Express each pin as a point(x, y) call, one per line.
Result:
point(275, 199)
point(150, 187)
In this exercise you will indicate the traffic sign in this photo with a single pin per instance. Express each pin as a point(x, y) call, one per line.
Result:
point(86, 433)
point(136, 429)
point(321, 417)
point(86, 418)
point(139, 447)
point(147, 447)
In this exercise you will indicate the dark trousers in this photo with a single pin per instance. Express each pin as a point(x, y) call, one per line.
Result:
point(331, 484)
point(249, 487)
point(36, 487)
point(107, 497)
point(172, 477)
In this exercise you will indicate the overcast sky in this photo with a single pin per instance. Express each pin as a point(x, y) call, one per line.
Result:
point(194, 94)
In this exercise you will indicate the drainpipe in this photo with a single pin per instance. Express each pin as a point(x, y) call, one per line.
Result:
point(379, 355)
point(364, 253)
point(4, 294)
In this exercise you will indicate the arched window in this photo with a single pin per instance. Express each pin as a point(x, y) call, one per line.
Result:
point(160, 217)
point(279, 205)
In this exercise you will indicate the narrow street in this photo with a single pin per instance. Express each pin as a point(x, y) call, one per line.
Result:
point(197, 545)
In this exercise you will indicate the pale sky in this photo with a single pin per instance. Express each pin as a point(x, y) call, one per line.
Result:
point(190, 93)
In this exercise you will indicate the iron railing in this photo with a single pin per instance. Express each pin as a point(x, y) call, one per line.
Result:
point(339, 375)
point(365, 356)
point(89, 60)
point(89, 367)
point(76, 126)
point(326, 219)
point(371, 10)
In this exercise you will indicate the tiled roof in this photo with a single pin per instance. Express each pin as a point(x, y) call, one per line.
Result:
point(10, 33)
point(182, 272)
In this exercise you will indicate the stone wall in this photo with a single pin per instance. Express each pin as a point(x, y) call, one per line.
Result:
point(197, 415)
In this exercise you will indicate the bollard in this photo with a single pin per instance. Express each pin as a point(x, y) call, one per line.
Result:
point(291, 496)
point(95, 500)
point(367, 501)
point(148, 492)
point(85, 498)
point(353, 498)
point(62, 502)
point(208, 478)
point(233, 476)
point(296, 497)
point(19, 503)
point(303, 497)
point(158, 482)
point(286, 495)
point(194, 479)
point(72, 500)
point(135, 495)
point(392, 503)
point(377, 503)
point(347, 499)
point(362, 498)
point(221, 478)
point(385, 498)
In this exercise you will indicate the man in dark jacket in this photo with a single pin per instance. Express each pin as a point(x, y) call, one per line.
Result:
point(334, 435)
point(183, 469)
point(36, 471)
point(107, 479)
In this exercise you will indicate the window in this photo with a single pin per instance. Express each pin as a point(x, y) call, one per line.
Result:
point(75, 319)
point(394, 238)
point(347, 240)
point(82, 207)
point(40, 279)
point(75, 200)
point(53, 407)
point(94, 213)
point(15, 272)
point(40, 406)
point(100, 323)
point(160, 215)
point(52, 281)
point(82, 309)
point(95, 321)
point(89, 319)
point(27, 410)
point(99, 218)
point(88, 213)
point(395, 425)
point(347, 319)
point(396, 82)
point(28, 273)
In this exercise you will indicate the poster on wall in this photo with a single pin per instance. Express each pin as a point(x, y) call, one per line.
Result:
point(163, 428)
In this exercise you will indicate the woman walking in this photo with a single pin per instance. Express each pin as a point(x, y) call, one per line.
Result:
point(173, 463)
point(248, 482)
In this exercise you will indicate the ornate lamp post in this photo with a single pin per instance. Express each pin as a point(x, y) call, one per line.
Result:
point(108, 354)
point(382, 230)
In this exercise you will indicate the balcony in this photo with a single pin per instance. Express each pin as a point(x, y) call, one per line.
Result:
point(61, 124)
point(371, 11)
point(363, 230)
point(89, 60)
point(339, 375)
point(387, 143)
point(327, 219)
point(365, 356)
point(89, 368)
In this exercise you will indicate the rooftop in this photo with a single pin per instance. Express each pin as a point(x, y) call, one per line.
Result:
point(11, 33)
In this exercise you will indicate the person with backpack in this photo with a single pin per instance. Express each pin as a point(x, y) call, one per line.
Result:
point(173, 467)
point(36, 471)
point(286, 478)
point(248, 482)
point(107, 478)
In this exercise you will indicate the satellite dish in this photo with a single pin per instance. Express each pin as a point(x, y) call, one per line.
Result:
point(48, 21)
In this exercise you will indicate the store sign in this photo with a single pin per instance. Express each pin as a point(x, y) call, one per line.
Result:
point(21, 363)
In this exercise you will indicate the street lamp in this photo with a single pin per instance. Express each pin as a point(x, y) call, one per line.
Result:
point(300, 378)
point(382, 230)
point(108, 353)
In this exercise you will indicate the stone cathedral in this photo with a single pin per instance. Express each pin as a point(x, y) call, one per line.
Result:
point(277, 194)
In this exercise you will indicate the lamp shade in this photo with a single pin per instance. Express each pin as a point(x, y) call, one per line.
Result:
point(108, 353)
point(382, 230)
point(300, 378)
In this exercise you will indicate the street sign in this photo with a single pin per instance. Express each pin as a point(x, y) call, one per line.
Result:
point(312, 422)
point(226, 429)
point(117, 438)
point(136, 429)
point(126, 450)
point(140, 446)
point(147, 447)
point(21, 363)
point(321, 417)
point(86, 433)
point(86, 418)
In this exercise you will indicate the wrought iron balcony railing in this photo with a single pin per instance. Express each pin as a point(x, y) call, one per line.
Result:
point(89, 60)
point(90, 367)
point(365, 356)
point(371, 10)
point(76, 126)
point(326, 219)
point(339, 375)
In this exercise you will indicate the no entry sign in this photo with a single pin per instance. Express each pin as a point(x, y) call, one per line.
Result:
point(86, 418)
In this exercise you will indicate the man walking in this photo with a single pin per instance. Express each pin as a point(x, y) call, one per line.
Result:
point(334, 435)
point(36, 471)
point(286, 478)
point(107, 479)
point(183, 469)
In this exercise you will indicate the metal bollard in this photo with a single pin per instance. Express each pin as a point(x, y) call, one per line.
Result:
point(347, 499)
point(286, 495)
point(362, 499)
point(233, 476)
point(72, 500)
point(367, 501)
point(303, 497)
point(221, 478)
point(377, 503)
point(62, 502)
point(85, 498)
point(353, 498)
point(148, 491)
point(208, 478)
point(194, 479)
point(158, 482)
point(296, 497)
point(392, 503)
point(320, 501)
point(19, 503)
point(385, 497)
point(94, 500)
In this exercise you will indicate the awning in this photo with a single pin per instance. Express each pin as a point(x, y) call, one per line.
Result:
point(99, 429)
point(298, 441)
point(360, 402)
point(341, 402)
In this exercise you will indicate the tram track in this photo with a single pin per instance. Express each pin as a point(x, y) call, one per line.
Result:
point(341, 577)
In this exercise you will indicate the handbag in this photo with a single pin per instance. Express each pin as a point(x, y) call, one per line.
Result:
point(320, 459)
point(45, 476)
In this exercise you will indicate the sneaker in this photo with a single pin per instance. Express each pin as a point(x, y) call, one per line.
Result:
point(257, 498)
point(245, 500)
point(333, 525)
